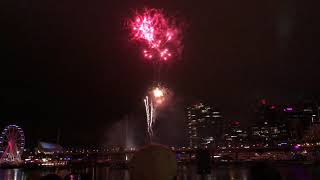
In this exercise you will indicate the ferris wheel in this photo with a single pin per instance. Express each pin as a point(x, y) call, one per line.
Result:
point(11, 144)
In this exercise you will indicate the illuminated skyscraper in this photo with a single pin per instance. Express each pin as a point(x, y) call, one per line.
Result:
point(268, 127)
point(300, 118)
point(205, 125)
point(235, 135)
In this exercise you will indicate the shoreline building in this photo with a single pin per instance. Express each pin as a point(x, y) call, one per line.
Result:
point(269, 128)
point(235, 136)
point(205, 125)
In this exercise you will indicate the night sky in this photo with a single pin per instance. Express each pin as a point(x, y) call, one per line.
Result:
point(70, 65)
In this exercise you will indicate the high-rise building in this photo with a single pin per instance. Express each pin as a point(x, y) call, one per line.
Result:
point(235, 135)
point(269, 127)
point(310, 111)
point(266, 114)
point(283, 123)
point(300, 118)
point(205, 125)
point(294, 120)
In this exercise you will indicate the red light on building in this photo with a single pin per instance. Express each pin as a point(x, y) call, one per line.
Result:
point(236, 122)
point(263, 101)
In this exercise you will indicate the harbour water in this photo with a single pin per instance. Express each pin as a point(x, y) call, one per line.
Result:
point(228, 172)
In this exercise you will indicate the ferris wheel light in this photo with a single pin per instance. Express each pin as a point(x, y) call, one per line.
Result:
point(11, 144)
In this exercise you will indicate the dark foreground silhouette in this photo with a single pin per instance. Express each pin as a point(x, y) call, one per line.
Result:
point(51, 177)
point(264, 171)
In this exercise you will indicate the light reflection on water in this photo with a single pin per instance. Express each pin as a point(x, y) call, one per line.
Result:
point(290, 172)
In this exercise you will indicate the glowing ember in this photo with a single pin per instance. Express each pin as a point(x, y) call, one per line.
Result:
point(157, 32)
point(157, 92)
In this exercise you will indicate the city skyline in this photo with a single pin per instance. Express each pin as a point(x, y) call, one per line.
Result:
point(206, 123)
point(76, 71)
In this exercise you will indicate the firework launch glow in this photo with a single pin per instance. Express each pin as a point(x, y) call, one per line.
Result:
point(159, 34)
point(157, 95)
point(157, 92)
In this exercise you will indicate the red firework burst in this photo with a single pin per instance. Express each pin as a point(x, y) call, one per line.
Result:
point(159, 34)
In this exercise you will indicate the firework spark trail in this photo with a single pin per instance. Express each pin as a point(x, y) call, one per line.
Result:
point(146, 104)
point(150, 115)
